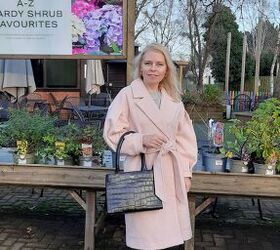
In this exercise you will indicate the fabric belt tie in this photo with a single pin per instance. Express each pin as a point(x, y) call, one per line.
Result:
point(160, 186)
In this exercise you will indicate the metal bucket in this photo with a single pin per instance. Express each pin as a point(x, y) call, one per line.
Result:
point(264, 169)
point(214, 162)
point(7, 155)
point(238, 166)
point(86, 161)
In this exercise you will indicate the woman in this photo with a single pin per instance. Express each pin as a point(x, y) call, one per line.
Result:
point(151, 107)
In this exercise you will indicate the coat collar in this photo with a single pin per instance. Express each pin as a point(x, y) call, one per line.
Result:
point(145, 103)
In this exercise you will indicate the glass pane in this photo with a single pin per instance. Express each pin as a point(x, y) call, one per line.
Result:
point(61, 73)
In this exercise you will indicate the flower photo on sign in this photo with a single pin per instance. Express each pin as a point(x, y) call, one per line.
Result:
point(97, 27)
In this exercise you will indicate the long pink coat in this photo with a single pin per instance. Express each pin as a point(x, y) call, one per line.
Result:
point(134, 109)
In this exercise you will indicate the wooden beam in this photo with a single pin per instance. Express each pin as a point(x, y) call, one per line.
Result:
point(236, 184)
point(204, 205)
point(79, 199)
point(243, 63)
point(189, 245)
point(54, 176)
point(227, 63)
point(131, 5)
point(90, 221)
point(73, 177)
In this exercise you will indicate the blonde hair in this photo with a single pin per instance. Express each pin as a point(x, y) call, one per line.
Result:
point(170, 82)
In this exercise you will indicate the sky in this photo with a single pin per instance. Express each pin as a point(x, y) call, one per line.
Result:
point(246, 19)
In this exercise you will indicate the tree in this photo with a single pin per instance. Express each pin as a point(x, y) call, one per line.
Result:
point(142, 7)
point(261, 14)
point(201, 17)
point(276, 92)
point(196, 10)
point(226, 22)
point(162, 21)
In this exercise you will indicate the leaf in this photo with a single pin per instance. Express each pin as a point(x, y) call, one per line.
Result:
point(115, 47)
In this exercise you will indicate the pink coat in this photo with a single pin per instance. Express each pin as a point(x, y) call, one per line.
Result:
point(134, 109)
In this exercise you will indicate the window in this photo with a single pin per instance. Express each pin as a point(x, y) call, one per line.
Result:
point(56, 74)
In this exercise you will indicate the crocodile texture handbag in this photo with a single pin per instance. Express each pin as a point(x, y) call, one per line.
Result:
point(128, 192)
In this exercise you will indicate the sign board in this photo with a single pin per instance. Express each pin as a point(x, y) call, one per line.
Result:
point(76, 28)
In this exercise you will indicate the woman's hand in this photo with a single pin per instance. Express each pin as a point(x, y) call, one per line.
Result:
point(153, 141)
point(188, 183)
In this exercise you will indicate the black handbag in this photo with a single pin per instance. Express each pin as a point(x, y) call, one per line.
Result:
point(128, 192)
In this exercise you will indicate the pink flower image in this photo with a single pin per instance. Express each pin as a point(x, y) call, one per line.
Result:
point(81, 7)
point(76, 51)
point(97, 27)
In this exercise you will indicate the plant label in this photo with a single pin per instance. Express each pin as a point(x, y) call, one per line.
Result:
point(219, 162)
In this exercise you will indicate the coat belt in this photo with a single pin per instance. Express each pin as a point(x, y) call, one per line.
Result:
point(169, 148)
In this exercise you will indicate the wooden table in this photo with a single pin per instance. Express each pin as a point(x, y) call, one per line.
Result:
point(229, 184)
point(93, 179)
point(67, 177)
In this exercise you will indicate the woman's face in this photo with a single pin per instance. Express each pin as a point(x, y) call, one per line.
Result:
point(153, 67)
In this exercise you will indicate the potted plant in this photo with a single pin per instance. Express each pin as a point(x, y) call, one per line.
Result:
point(212, 158)
point(46, 153)
point(86, 139)
point(236, 149)
point(60, 153)
point(25, 131)
point(264, 137)
point(70, 151)
point(92, 145)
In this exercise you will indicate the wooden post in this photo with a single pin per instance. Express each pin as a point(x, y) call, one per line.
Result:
point(181, 75)
point(189, 245)
point(243, 63)
point(227, 64)
point(131, 5)
point(90, 221)
point(259, 45)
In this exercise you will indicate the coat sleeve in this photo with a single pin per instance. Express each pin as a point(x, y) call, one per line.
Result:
point(186, 142)
point(117, 122)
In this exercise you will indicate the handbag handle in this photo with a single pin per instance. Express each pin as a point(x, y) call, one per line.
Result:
point(118, 151)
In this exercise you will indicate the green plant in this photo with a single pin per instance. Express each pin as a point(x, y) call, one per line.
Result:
point(60, 151)
point(69, 134)
point(47, 150)
point(236, 145)
point(30, 127)
point(5, 139)
point(210, 95)
point(191, 97)
point(87, 135)
point(264, 129)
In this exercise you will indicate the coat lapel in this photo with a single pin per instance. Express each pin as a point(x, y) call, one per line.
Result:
point(146, 104)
